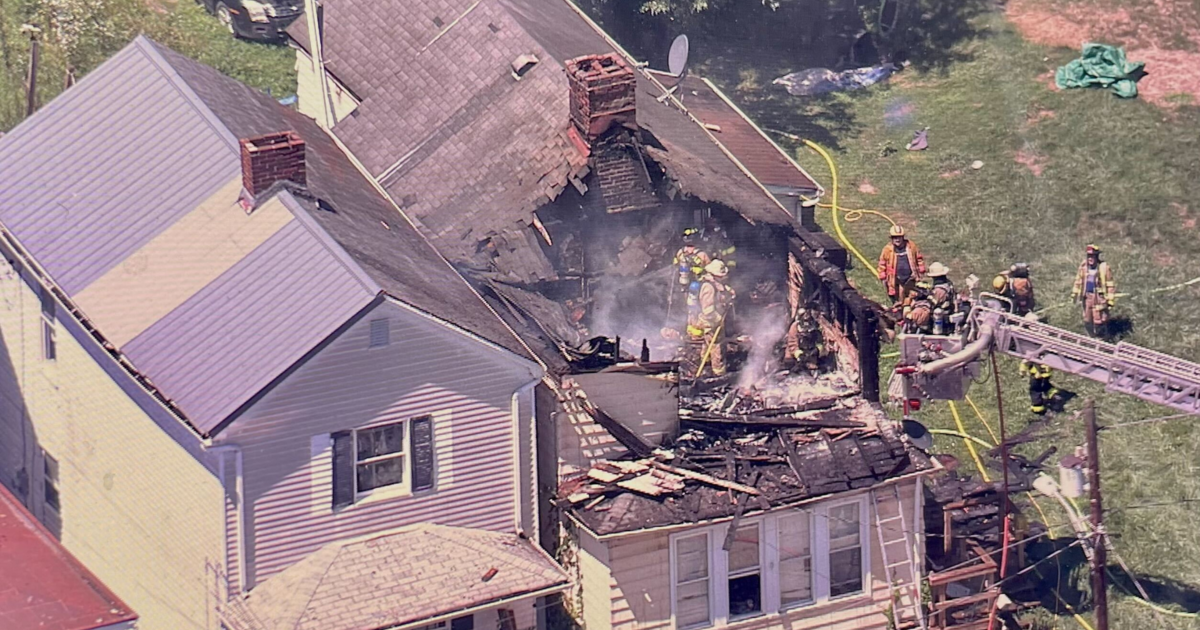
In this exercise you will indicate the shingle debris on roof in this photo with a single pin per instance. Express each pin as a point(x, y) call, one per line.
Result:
point(403, 577)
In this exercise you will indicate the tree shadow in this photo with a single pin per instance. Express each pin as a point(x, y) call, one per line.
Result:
point(744, 46)
point(1065, 579)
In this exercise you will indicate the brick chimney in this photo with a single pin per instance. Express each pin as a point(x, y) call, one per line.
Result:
point(603, 93)
point(271, 158)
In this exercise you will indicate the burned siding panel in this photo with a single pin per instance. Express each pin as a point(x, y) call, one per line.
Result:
point(426, 369)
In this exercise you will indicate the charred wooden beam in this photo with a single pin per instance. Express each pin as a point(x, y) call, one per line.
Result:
point(621, 433)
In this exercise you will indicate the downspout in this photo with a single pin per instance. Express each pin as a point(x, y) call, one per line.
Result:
point(518, 507)
point(312, 13)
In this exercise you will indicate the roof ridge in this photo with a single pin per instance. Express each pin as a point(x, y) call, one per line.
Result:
point(153, 52)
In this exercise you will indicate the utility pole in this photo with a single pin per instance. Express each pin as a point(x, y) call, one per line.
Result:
point(31, 79)
point(1099, 548)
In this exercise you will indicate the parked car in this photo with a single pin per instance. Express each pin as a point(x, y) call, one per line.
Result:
point(259, 20)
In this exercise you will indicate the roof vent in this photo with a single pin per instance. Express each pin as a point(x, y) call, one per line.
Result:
point(271, 158)
point(523, 64)
point(603, 92)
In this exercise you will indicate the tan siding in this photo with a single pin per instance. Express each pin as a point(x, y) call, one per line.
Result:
point(426, 369)
point(137, 509)
point(308, 91)
point(595, 582)
point(640, 588)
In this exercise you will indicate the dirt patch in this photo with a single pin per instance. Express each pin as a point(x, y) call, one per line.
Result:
point(1163, 259)
point(1037, 115)
point(1165, 34)
point(950, 174)
point(865, 187)
point(1185, 215)
point(1035, 162)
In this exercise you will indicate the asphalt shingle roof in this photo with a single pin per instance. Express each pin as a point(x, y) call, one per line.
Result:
point(467, 149)
point(400, 577)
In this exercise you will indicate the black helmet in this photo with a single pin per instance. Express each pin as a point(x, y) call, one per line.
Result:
point(690, 236)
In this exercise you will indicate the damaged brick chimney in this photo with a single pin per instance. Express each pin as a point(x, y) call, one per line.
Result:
point(603, 93)
point(271, 158)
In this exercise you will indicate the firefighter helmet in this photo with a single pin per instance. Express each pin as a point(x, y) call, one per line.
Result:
point(690, 236)
point(999, 283)
point(897, 230)
point(717, 268)
point(937, 270)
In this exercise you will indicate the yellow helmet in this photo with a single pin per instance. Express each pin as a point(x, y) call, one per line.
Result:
point(897, 230)
point(717, 268)
point(999, 283)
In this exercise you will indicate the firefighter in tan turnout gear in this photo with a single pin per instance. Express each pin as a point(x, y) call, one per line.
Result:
point(901, 265)
point(708, 325)
point(1095, 287)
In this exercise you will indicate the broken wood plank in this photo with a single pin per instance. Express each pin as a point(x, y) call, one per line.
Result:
point(644, 484)
point(713, 417)
point(708, 479)
point(578, 497)
point(628, 467)
point(620, 432)
point(811, 405)
point(603, 476)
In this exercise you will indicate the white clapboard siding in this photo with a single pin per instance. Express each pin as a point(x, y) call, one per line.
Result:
point(426, 368)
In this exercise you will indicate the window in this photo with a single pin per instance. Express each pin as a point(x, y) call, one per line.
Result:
point(745, 580)
point(775, 562)
point(50, 480)
point(795, 559)
point(380, 333)
point(49, 347)
point(691, 581)
point(379, 457)
point(398, 456)
point(845, 549)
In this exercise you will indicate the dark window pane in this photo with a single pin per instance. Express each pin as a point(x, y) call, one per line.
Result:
point(463, 623)
point(366, 444)
point(380, 441)
point(845, 572)
point(422, 453)
point(745, 595)
point(378, 474)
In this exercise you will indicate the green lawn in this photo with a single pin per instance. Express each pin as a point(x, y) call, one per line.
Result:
point(105, 26)
point(1121, 174)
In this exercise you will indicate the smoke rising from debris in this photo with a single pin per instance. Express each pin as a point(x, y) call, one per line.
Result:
point(767, 326)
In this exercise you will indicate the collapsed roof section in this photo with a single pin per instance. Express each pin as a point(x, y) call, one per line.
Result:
point(481, 148)
point(733, 455)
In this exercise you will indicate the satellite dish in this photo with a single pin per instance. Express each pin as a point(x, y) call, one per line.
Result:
point(677, 61)
point(918, 434)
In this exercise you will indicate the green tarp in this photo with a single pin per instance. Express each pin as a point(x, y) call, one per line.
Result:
point(1101, 66)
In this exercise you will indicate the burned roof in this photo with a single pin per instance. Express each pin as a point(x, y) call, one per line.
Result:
point(469, 149)
point(748, 459)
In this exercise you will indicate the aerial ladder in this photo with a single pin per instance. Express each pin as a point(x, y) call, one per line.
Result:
point(941, 367)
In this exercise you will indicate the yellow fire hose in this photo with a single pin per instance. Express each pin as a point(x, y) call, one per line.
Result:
point(708, 350)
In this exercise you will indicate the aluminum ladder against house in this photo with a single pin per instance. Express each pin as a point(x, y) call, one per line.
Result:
point(907, 594)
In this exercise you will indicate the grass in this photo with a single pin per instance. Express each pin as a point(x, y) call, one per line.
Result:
point(106, 26)
point(1122, 174)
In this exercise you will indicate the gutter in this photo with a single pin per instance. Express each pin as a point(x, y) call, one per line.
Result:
point(748, 513)
point(470, 610)
point(46, 280)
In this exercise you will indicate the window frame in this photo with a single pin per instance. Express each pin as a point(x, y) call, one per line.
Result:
point(51, 476)
point(403, 488)
point(760, 569)
point(769, 558)
point(864, 544)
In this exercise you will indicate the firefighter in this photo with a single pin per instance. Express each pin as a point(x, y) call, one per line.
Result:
point(718, 245)
point(918, 313)
point(1040, 389)
point(1016, 285)
point(944, 299)
point(900, 265)
point(1096, 289)
point(708, 325)
point(803, 345)
point(690, 262)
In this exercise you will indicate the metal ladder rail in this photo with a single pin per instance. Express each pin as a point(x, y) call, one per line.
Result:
point(914, 584)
